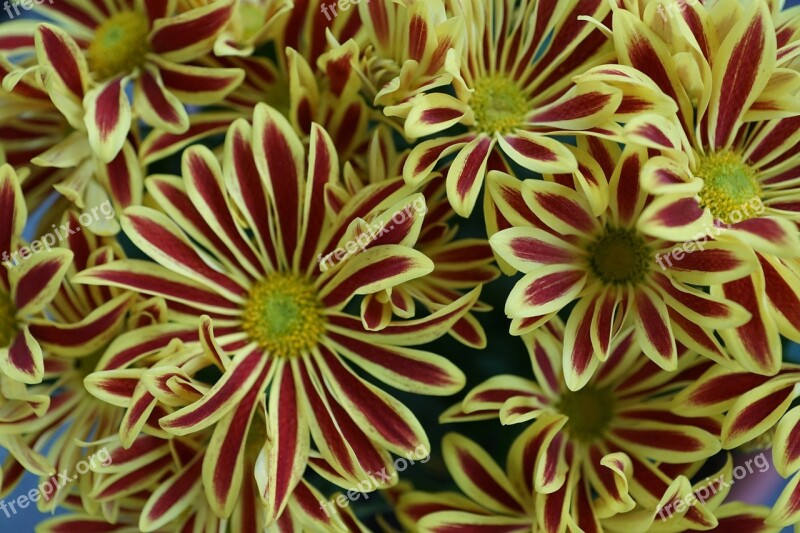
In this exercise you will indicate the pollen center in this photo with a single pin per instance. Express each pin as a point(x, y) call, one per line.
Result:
point(120, 44)
point(619, 256)
point(499, 104)
point(8, 321)
point(284, 316)
point(589, 410)
point(731, 190)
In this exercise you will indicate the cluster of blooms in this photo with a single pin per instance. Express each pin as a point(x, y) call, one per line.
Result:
point(196, 337)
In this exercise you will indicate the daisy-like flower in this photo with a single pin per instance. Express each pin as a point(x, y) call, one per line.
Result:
point(89, 62)
point(25, 289)
point(513, 88)
point(615, 273)
point(754, 405)
point(602, 450)
point(407, 46)
point(279, 320)
point(728, 164)
point(81, 322)
point(59, 156)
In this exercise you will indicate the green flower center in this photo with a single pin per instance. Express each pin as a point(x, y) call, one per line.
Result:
point(498, 103)
point(120, 44)
point(284, 316)
point(731, 190)
point(619, 256)
point(589, 410)
point(8, 320)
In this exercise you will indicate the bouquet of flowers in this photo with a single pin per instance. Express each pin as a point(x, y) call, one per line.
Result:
point(399, 265)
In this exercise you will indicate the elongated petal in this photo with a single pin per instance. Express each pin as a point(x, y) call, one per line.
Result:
point(538, 153)
point(748, 54)
point(158, 107)
point(108, 118)
point(433, 114)
point(758, 410)
point(466, 174)
point(22, 360)
point(191, 34)
point(545, 290)
point(35, 282)
point(198, 85)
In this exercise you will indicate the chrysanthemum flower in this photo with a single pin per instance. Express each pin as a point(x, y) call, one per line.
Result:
point(600, 451)
point(107, 45)
point(615, 273)
point(80, 323)
point(278, 316)
point(754, 406)
point(25, 289)
point(406, 47)
point(513, 88)
point(47, 138)
point(728, 166)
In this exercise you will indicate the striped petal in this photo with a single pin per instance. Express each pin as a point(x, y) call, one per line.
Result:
point(157, 106)
point(527, 248)
point(538, 153)
point(786, 510)
point(22, 360)
point(561, 208)
point(653, 329)
point(287, 454)
point(108, 118)
point(786, 443)
point(758, 410)
point(191, 34)
point(172, 497)
point(466, 174)
point(670, 443)
point(748, 54)
point(198, 85)
point(582, 107)
point(674, 218)
point(279, 159)
point(755, 345)
point(545, 290)
point(36, 281)
point(434, 113)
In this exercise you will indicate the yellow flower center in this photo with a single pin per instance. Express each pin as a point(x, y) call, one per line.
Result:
point(589, 410)
point(284, 316)
point(498, 103)
point(619, 256)
point(731, 190)
point(120, 44)
point(8, 321)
